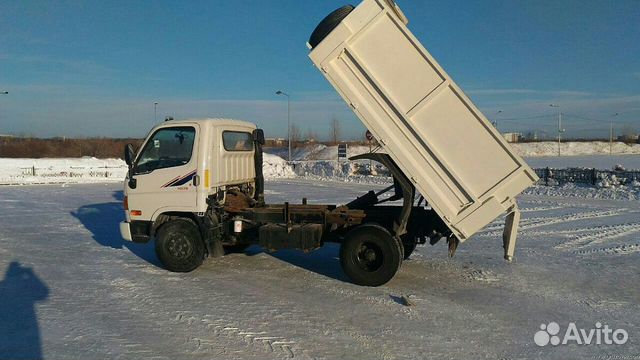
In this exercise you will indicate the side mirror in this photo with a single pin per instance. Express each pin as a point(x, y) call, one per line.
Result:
point(128, 154)
point(258, 136)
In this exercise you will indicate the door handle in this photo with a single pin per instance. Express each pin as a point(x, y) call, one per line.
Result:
point(196, 180)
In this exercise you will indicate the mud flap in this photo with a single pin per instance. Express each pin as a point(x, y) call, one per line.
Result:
point(216, 249)
point(453, 243)
point(511, 232)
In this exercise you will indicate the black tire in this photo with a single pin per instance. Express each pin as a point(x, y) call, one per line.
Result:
point(329, 23)
point(370, 256)
point(179, 245)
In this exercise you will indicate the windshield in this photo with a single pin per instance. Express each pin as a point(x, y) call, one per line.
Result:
point(168, 147)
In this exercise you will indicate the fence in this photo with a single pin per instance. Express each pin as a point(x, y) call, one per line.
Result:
point(586, 176)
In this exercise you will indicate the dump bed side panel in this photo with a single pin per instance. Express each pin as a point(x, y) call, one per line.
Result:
point(455, 157)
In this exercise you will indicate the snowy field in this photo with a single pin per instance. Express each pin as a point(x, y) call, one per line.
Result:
point(601, 162)
point(315, 161)
point(59, 171)
point(528, 150)
point(91, 170)
point(71, 288)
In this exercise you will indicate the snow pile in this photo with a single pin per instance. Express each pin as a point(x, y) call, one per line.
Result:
point(64, 170)
point(612, 180)
point(340, 169)
point(550, 148)
point(603, 190)
point(324, 168)
point(629, 161)
point(536, 149)
point(92, 170)
point(316, 152)
point(274, 167)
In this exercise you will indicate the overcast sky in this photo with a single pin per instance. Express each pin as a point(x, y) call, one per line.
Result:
point(95, 68)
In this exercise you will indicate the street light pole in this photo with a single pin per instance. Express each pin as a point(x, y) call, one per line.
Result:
point(495, 120)
point(4, 93)
point(559, 125)
point(155, 113)
point(611, 134)
point(288, 119)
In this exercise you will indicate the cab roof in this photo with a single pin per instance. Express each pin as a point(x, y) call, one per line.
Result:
point(216, 121)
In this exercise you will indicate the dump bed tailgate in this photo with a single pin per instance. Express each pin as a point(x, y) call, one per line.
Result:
point(443, 143)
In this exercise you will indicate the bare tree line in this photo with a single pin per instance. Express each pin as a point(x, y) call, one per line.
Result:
point(298, 137)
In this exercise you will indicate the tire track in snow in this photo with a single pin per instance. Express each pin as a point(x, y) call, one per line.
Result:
point(598, 235)
point(220, 327)
point(364, 341)
point(218, 334)
point(495, 229)
point(540, 208)
point(531, 223)
point(612, 250)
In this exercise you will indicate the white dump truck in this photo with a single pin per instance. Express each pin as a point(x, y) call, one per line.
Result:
point(196, 186)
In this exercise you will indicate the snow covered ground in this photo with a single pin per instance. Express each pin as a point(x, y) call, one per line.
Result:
point(63, 170)
point(601, 162)
point(320, 161)
point(537, 149)
point(317, 161)
point(550, 148)
point(92, 170)
point(71, 288)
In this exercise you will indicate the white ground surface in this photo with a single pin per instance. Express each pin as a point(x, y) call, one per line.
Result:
point(602, 162)
point(550, 148)
point(62, 170)
point(315, 161)
point(543, 148)
point(91, 170)
point(71, 288)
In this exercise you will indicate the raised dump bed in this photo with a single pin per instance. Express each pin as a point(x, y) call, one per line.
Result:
point(453, 155)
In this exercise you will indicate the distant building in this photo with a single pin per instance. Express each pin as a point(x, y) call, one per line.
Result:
point(628, 138)
point(275, 142)
point(4, 138)
point(512, 137)
point(531, 136)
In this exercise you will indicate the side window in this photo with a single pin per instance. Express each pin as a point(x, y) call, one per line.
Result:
point(168, 147)
point(237, 141)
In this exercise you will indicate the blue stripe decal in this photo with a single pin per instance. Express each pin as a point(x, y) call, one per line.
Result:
point(184, 180)
point(181, 181)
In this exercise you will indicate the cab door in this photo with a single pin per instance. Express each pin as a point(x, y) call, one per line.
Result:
point(164, 173)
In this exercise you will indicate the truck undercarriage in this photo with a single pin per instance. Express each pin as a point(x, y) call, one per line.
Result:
point(245, 220)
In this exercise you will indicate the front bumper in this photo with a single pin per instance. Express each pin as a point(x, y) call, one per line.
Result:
point(125, 231)
point(136, 231)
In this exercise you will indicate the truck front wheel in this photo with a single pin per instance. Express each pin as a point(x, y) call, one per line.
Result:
point(179, 245)
point(370, 256)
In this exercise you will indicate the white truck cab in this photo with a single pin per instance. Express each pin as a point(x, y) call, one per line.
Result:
point(180, 164)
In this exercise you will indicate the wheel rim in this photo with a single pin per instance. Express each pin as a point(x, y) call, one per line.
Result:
point(369, 257)
point(179, 246)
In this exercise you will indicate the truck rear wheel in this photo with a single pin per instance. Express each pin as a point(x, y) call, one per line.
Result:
point(179, 245)
point(370, 256)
